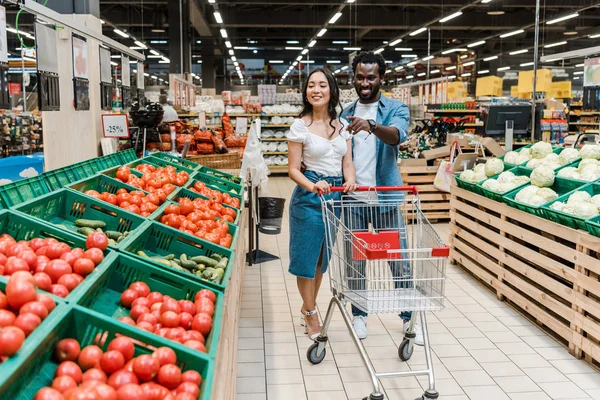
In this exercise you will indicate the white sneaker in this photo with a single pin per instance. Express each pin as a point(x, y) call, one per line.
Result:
point(359, 324)
point(418, 332)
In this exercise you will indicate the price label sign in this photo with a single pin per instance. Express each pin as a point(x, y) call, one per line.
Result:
point(115, 126)
point(241, 126)
point(202, 119)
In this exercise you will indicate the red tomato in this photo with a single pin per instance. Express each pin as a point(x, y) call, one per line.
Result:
point(67, 350)
point(94, 374)
point(89, 357)
point(188, 387)
point(3, 301)
point(14, 264)
point(185, 320)
point(20, 290)
point(123, 197)
point(162, 196)
point(186, 206)
point(96, 240)
point(64, 383)
point(202, 323)
point(205, 305)
point(170, 319)
point(136, 200)
point(149, 318)
point(112, 361)
point(170, 305)
point(56, 250)
point(128, 297)
point(122, 378)
point(46, 301)
point(191, 376)
point(94, 254)
point(69, 368)
point(130, 392)
point(124, 346)
point(106, 392)
point(196, 345)
point(42, 261)
point(134, 209)
point(172, 209)
point(83, 266)
point(127, 320)
point(153, 198)
point(156, 306)
point(69, 257)
point(173, 221)
point(92, 193)
point(70, 281)
point(112, 199)
point(30, 258)
point(153, 391)
point(184, 396)
point(57, 268)
point(206, 293)
point(27, 322)
point(142, 288)
point(11, 340)
point(169, 376)
point(42, 280)
point(187, 306)
point(48, 393)
point(59, 290)
point(138, 310)
point(165, 355)
point(7, 318)
point(145, 367)
point(155, 297)
point(147, 326)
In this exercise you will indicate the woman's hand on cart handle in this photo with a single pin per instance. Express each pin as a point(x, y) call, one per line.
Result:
point(322, 187)
point(412, 189)
point(349, 187)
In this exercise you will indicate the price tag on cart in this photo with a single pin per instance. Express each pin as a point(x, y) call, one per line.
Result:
point(241, 126)
point(115, 126)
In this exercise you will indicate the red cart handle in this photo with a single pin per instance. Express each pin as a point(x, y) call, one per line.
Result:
point(412, 189)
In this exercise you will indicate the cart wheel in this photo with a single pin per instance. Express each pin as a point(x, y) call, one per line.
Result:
point(312, 355)
point(374, 397)
point(405, 350)
point(429, 395)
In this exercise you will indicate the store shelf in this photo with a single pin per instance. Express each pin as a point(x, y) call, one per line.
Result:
point(277, 126)
point(275, 140)
point(262, 115)
point(585, 123)
point(453, 111)
point(587, 113)
point(275, 153)
point(278, 168)
point(472, 125)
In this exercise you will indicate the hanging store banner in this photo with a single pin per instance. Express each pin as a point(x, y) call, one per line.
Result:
point(591, 72)
point(140, 75)
point(80, 58)
point(105, 67)
point(3, 41)
point(125, 71)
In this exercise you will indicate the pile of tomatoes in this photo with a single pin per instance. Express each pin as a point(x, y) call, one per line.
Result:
point(56, 268)
point(183, 321)
point(215, 195)
point(135, 201)
point(93, 374)
point(201, 219)
point(22, 310)
point(153, 178)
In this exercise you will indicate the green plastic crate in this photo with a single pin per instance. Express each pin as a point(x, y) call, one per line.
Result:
point(105, 291)
point(593, 226)
point(183, 192)
point(175, 160)
point(499, 197)
point(59, 178)
point(101, 183)
point(156, 239)
point(215, 172)
point(570, 220)
point(158, 162)
point(211, 183)
point(511, 166)
point(127, 156)
point(109, 161)
point(85, 169)
point(35, 368)
point(470, 186)
point(218, 183)
point(233, 228)
point(20, 191)
point(575, 164)
point(561, 186)
point(23, 227)
point(63, 207)
point(7, 368)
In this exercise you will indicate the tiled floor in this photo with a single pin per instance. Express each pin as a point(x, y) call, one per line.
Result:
point(482, 349)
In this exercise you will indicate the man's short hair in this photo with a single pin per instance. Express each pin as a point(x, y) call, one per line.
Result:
point(370, 58)
point(162, 99)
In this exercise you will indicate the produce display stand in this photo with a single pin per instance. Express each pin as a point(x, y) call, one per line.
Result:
point(434, 203)
point(549, 272)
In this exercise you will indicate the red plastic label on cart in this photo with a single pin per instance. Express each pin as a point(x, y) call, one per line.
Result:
point(375, 245)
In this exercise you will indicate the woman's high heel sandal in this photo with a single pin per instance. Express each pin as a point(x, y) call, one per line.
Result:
point(308, 314)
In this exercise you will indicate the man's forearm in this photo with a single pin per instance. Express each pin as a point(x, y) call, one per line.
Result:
point(387, 134)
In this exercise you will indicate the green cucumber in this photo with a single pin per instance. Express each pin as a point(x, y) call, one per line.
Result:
point(85, 230)
point(187, 264)
point(90, 223)
point(222, 263)
point(113, 235)
point(162, 261)
point(216, 257)
point(142, 254)
point(111, 242)
point(209, 262)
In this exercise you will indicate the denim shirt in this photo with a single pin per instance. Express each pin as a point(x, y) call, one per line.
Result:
point(389, 113)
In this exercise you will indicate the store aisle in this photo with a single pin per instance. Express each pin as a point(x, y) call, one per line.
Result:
point(482, 348)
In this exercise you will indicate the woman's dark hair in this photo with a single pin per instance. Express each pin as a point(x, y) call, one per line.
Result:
point(334, 97)
point(370, 58)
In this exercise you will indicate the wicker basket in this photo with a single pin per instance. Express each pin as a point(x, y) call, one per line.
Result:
point(218, 161)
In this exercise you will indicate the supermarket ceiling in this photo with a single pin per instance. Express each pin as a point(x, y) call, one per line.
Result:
point(264, 28)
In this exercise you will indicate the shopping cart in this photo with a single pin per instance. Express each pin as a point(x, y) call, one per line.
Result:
point(385, 257)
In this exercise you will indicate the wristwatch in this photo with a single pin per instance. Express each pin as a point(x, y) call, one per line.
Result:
point(372, 125)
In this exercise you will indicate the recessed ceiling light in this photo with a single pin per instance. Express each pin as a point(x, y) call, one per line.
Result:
point(435, 71)
point(554, 44)
point(334, 62)
point(224, 33)
point(158, 30)
point(335, 17)
point(466, 74)
point(509, 34)
point(312, 43)
point(158, 41)
point(322, 32)
point(503, 68)
point(380, 50)
point(490, 58)
point(409, 56)
point(403, 49)
point(409, 77)
point(498, 12)
point(395, 42)
point(428, 58)
point(450, 68)
point(339, 41)
point(469, 63)
point(485, 71)
point(241, 48)
point(421, 74)
point(352, 48)
point(292, 42)
point(420, 30)
point(514, 53)
point(293, 48)
point(451, 16)
point(218, 17)
point(570, 33)
point(476, 44)
point(527, 64)
point(554, 21)
point(276, 61)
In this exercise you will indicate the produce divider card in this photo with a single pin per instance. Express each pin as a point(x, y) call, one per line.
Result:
point(115, 126)
point(241, 126)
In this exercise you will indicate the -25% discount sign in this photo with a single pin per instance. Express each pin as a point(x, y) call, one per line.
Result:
point(115, 126)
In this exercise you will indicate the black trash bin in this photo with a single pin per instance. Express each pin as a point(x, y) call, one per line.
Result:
point(270, 211)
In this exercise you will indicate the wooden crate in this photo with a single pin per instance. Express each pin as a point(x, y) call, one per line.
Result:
point(218, 161)
point(547, 271)
point(435, 204)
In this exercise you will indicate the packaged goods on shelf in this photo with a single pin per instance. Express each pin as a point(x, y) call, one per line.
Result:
point(282, 109)
point(267, 94)
point(543, 84)
point(21, 134)
point(288, 98)
point(489, 86)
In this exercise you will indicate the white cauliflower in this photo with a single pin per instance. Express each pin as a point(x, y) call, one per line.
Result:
point(541, 150)
point(536, 201)
point(480, 168)
point(534, 163)
point(511, 157)
point(525, 152)
point(524, 194)
point(590, 151)
point(587, 162)
point(548, 194)
point(490, 184)
point(521, 180)
point(505, 187)
point(596, 201)
point(480, 176)
point(506, 177)
point(542, 177)
point(590, 173)
point(568, 156)
point(468, 175)
point(552, 158)
point(523, 158)
point(585, 209)
point(569, 172)
point(578, 197)
point(569, 209)
point(550, 165)
point(494, 167)
point(558, 206)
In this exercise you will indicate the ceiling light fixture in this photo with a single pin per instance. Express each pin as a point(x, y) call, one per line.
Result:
point(409, 56)
point(241, 47)
point(469, 63)
point(485, 1)
point(579, 65)
point(157, 30)
point(339, 41)
point(228, 44)
point(403, 49)
point(514, 53)
point(509, 34)
point(498, 12)
point(154, 56)
point(231, 52)
point(113, 63)
point(395, 42)
point(554, 44)
point(293, 48)
point(485, 71)
point(158, 41)
point(352, 48)
point(594, 36)
point(102, 21)
point(570, 33)
point(292, 42)
point(451, 16)
point(435, 71)
point(451, 68)
point(218, 17)
point(564, 18)
point(224, 33)
point(335, 17)
point(233, 59)
point(410, 77)
point(452, 77)
point(334, 62)
point(211, 1)
point(490, 58)
point(428, 58)
point(304, 51)
point(312, 43)
point(527, 64)
point(410, 64)
point(464, 56)
point(476, 44)
point(345, 67)
point(298, 58)
point(400, 68)
point(380, 50)
point(503, 68)
point(456, 50)
point(421, 74)
point(553, 60)
point(420, 30)
point(322, 32)
point(466, 74)
point(388, 71)
point(578, 73)
point(117, 31)
point(389, 62)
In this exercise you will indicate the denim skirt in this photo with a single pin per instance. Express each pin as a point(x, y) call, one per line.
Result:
point(307, 229)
